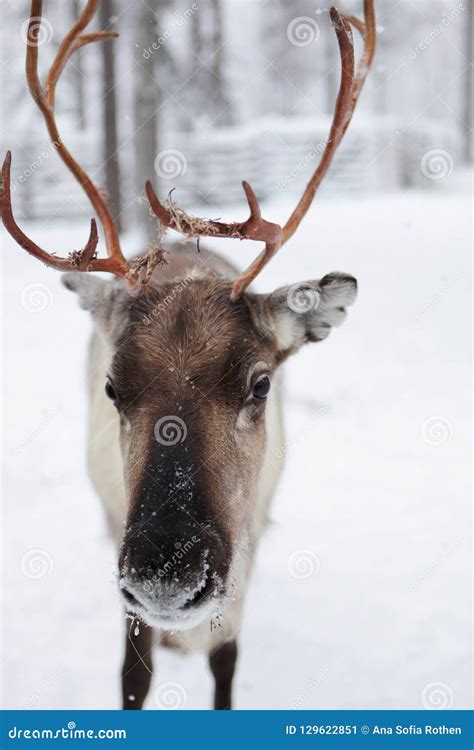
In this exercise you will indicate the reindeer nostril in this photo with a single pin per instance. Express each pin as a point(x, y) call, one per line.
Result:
point(200, 595)
point(128, 596)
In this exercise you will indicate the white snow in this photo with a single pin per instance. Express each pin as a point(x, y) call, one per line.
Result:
point(361, 591)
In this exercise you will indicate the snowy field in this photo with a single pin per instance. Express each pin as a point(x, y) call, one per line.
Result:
point(361, 591)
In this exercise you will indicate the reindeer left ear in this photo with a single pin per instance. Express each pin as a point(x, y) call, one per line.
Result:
point(307, 311)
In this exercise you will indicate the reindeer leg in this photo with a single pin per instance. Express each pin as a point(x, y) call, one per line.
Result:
point(137, 665)
point(222, 664)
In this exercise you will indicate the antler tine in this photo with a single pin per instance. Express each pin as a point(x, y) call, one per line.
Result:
point(254, 228)
point(81, 41)
point(368, 30)
point(66, 48)
point(349, 90)
point(45, 102)
point(342, 115)
point(73, 41)
point(79, 260)
point(254, 206)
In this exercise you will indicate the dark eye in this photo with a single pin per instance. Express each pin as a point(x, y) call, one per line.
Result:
point(110, 391)
point(261, 387)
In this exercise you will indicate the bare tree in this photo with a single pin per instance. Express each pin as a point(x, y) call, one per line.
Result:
point(147, 99)
point(110, 151)
point(222, 105)
point(208, 60)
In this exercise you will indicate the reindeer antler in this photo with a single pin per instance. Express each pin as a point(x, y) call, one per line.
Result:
point(79, 260)
point(138, 272)
point(272, 234)
point(83, 260)
point(255, 228)
point(349, 91)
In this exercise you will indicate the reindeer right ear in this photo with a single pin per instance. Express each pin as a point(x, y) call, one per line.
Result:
point(91, 290)
point(307, 311)
point(108, 301)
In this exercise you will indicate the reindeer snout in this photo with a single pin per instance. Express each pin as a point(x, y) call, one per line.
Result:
point(166, 586)
point(165, 577)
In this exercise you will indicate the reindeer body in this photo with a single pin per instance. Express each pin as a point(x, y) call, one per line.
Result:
point(187, 342)
point(186, 352)
point(105, 463)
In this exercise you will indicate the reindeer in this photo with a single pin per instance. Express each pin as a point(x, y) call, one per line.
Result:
point(185, 429)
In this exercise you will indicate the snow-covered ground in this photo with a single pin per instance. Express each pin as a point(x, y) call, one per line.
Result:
point(361, 591)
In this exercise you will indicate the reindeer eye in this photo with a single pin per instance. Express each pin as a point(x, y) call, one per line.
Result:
point(261, 387)
point(110, 392)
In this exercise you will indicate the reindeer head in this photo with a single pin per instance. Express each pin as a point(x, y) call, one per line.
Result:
point(192, 386)
point(190, 376)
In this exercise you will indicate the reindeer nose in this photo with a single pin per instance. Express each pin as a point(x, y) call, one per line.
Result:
point(164, 576)
point(167, 596)
point(151, 554)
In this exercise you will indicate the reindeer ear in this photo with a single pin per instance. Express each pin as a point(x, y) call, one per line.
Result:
point(90, 289)
point(107, 300)
point(307, 311)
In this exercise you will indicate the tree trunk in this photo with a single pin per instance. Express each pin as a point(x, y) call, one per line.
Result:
point(146, 104)
point(109, 113)
point(222, 106)
point(210, 103)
